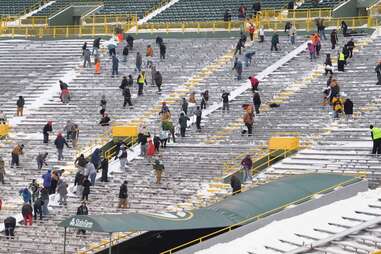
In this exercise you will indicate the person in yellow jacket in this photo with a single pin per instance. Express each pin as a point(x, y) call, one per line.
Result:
point(341, 62)
point(337, 106)
point(376, 137)
point(141, 81)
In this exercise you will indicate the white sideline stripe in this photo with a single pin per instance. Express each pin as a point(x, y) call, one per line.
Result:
point(156, 12)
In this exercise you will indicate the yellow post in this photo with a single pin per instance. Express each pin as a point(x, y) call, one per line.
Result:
point(183, 27)
point(33, 21)
point(54, 32)
point(167, 28)
point(41, 32)
point(198, 27)
point(67, 31)
point(353, 22)
point(80, 31)
point(230, 26)
point(214, 26)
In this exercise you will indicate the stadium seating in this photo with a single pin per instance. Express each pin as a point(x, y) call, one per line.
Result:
point(130, 7)
point(14, 7)
point(185, 58)
point(321, 4)
point(200, 10)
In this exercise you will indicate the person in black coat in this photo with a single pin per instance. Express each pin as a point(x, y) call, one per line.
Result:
point(123, 195)
point(163, 51)
point(20, 106)
point(105, 121)
point(9, 227)
point(47, 128)
point(124, 83)
point(334, 38)
point(348, 108)
point(86, 189)
point(125, 53)
point(127, 97)
point(158, 80)
point(235, 183)
point(37, 206)
point(159, 40)
point(130, 41)
point(350, 46)
point(257, 101)
point(256, 7)
point(104, 166)
point(82, 210)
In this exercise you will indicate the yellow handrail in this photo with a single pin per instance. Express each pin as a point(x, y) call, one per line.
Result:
point(229, 228)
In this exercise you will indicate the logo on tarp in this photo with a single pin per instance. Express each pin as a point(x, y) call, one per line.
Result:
point(81, 223)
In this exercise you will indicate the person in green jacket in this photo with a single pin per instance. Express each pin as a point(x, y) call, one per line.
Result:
point(376, 137)
point(274, 42)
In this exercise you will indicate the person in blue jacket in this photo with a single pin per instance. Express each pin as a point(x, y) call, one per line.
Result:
point(26, 195)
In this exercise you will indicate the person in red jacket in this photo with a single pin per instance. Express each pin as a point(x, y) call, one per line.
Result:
point(27, 213)
point(254, 83)
point(150, 149)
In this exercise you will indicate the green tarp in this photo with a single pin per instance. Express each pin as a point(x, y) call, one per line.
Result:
point(260, 201)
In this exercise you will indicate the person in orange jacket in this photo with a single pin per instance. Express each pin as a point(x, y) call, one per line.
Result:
point(149, 55)
point(97, 66)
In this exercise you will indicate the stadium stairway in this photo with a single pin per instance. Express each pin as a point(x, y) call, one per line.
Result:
point(185, 58)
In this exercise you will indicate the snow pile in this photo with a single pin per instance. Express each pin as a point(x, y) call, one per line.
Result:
point(269, 235)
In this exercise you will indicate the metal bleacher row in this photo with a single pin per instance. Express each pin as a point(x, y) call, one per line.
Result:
point(297, 86)
point(320, 4)
point(14, 7)
point(185, 58)
point(200, 10)
point(131, 7)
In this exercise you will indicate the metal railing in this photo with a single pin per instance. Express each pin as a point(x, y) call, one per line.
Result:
point(130, 141)
point(110, 18)
point(254, 218)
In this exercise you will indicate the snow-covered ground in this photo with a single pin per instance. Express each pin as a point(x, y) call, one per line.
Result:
point(269, 235)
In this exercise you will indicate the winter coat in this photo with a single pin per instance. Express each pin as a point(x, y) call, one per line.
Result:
point(86, 186)
point(139, 60)
point(26, 210)
point(257, 99)
point(275, 39)
point(47, 128)
point(41, 158)
point(96, 43)
point(44, 194)
point(81, 161)
point(198, 113)
point(17, 150)
point(158, 78)
point(149, 52)
point(82, 210)
point(90, 168)
point(334, 38)
point(60, 142)
point(348, 107)
point(47, 179)
point(123, 193)
point(26, 195)
point(127, 92)
point(62, 188)
point(163, 49)
point(159, 40)
point(378, 68)
point(105, 121)
point(248, 118)
point(183, 121)
point(124, 84)
point(235, 183)
point(20, 102)
point(247, 163)
point(2, 168)
point(184, 106)
point(238, 66)
point(125, 51)
point(142, 139)
point(150, 148)
point(10, 221)
point(115, 62)
point(254, 82)
point(38, 203)
point(96, 157)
